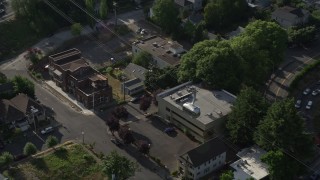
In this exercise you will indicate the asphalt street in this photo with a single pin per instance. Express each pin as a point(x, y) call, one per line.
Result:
point(295, 60)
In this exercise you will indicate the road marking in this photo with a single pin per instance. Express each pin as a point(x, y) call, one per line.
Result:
point(286, 78)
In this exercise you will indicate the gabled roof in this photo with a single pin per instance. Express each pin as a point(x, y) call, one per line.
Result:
point(24, 103)
point(289, 13)
point(9, 112)
point(135, 71)
point(206, 151)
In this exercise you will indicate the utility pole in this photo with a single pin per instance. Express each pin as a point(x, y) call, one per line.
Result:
point(115, 13)
point(82, 137)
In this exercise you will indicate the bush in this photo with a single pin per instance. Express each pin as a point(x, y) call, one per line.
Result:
point(175, 173)
point(304, 71)
point(29, 149)
point(76, 29)
point(5, 159)
point(51, 141)
point(88, 158)
point(109, 70)
point(122, 30)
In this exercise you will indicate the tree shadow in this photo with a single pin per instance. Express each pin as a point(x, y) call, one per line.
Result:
point(139, 136)
point(40, 164)
point(61, 153)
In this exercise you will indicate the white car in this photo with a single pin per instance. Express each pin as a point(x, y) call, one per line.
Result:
point(315, 92)
point(309, 105)
point(298, 104)
point(47, 130)
point(306, 91)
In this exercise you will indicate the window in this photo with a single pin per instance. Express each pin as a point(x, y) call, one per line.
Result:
point(101, 98)
point(190, 173)
point(198, 173)
point(206, 170)
point(209, 161)
point(167, 109)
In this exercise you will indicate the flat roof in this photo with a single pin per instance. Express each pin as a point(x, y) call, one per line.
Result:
point(249, 164)
point(213, 104)
point(159, 47)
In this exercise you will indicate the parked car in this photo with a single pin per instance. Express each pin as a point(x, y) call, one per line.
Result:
point(169, 130)
point(298, 104)
point(309, 105)
point(135, 99)
point(47, 130)
point(116, 142)
point(306, 91)
point(315, 92)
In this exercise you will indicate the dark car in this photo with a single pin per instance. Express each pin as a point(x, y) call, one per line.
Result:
point(116, 142)
point(169, 130)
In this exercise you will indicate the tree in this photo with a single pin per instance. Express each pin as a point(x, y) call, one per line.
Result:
point(301, 35)
point(281, 166)
point(228, 175)
point(143, 59)
point(5, 159)
point(283, 128)
point(143, 146)
point(29, 149)
point(248, 110)
point(268, 36)
point(109, 70)
point(76, 29)
point(213, 62)
point(113, 124)
point(161, 78)
point(200, 33)
point(90, 9)
point(165, 14)
point(120, 112)
point(51, 141)
point(145, 103)
point(103, 9)
point(3, 78)
point(23, 85)
point(222, 13)
point(119, 166)
point(125, 134)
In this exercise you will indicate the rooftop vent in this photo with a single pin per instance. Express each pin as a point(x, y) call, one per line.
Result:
point(191, 108)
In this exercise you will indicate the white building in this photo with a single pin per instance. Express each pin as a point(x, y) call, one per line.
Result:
point(164, 52)
point(288, 16)
point(195, 110)
point(249, 165)
point(203, 159)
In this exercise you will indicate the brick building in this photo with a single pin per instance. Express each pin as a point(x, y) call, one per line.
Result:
point(70, 71)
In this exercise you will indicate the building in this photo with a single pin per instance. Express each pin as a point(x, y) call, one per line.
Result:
point(288, 16)
point(165, 53)
point(192, 5)
point(73, 74)
point(197, 111)
point(20, 111)
point(249, 165)
point(204, 159)
point(136, 76)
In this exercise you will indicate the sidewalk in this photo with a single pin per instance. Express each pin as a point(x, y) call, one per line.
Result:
point(69, 98)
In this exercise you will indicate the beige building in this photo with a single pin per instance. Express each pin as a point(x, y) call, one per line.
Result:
point(164, 52)
point(195, 110)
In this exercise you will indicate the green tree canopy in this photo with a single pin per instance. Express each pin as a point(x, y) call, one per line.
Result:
point(3, 78)
point(29, 149)
point(51, 141)
point(214, 62)
point(268, 36)
point(282, 166)
point(23, 85)
point(301, 35)
point(283, 128)
point(76, 29)
point(165, 14)
point(5, 159)
point(248, 110)
point(118, 165)
point(161, 78)
point(222, 13)
point(228, 175)
point(143, 59)
point(103, 9)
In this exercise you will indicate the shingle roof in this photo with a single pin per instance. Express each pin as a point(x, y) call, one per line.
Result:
point(24, 103)
point(9, 112)
point(206, 151)
point(289, 13)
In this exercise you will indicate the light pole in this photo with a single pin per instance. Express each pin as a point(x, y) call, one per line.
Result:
point(82, 137)
point(115, 13)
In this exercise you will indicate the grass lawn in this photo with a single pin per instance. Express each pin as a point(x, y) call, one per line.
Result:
point(15, 36)
point(116, 88)
point(71, 162)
